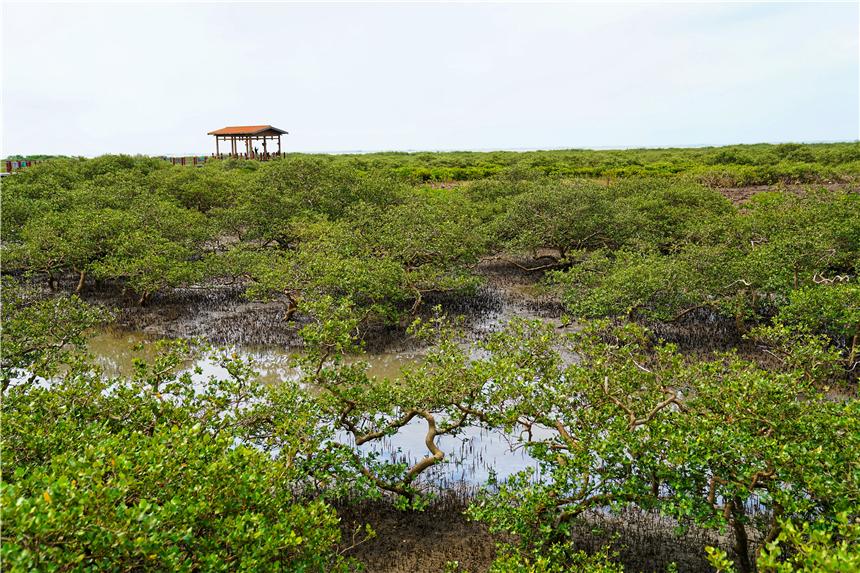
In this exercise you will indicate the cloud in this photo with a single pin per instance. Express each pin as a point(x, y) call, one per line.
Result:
point(95, 78)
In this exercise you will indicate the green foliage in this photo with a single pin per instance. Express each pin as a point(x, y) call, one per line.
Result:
point(281, 192)
point(833, 310)
point(819, 546)
point(793, 256)
point(571, 216)
point(102, 218)
point(633, 423)
point(41, 334)
point(558, 558)
point(293, 229)
point(731, 166)
point(827, 547)
point(164, 469)
point(638, 237)
point(382, 260)
point(147, 262)
point(168, 469)
point(161, 470)
point(179, 499)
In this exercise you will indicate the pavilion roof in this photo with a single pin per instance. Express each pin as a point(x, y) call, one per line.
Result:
point(245, 130)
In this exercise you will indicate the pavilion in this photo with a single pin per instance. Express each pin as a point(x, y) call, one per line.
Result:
point(249, 134)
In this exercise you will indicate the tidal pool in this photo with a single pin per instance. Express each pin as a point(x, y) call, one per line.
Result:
point(114, 351)
point(470, 456)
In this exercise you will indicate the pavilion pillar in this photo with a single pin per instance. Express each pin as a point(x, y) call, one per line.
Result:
point(217, 150)
point(279, 144)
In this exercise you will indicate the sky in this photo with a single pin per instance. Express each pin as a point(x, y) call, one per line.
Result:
point(154, 78)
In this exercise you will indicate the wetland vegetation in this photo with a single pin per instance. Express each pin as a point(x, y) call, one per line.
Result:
point(666, 341)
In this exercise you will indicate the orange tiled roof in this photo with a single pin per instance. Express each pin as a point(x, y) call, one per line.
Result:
point(244, 130)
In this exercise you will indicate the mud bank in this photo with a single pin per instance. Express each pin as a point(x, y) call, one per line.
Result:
point(221, 315)
point(411, 541)
point(427, 540)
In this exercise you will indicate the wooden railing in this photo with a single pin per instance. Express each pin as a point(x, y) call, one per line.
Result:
point(201, 159)
point(10, 166)
point(260, 156)
point(194, 160)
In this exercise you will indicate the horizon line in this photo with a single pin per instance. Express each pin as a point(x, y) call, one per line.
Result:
point(474, 150)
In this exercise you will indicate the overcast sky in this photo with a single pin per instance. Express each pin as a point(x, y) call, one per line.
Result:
point(93, 78)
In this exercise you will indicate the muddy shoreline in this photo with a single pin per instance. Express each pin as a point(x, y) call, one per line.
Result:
point(409, 541)
point(221, 315)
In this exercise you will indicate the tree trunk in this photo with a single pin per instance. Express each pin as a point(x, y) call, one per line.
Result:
point(740, 325)
point(417, 304)
point(292, 307)
point(855, 341)
point(82, 277)
point(52, 282)
point(774, 527)
point(742, 545)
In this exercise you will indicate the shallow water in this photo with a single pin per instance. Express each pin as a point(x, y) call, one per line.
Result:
point(114, 351)
point(470, 456)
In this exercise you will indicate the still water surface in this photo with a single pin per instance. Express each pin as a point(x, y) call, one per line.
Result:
point(470, 456)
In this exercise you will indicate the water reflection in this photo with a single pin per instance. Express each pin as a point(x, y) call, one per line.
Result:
point(114, 351)
point(469, 456)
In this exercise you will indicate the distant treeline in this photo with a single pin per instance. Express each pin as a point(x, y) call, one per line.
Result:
point(728, 166)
